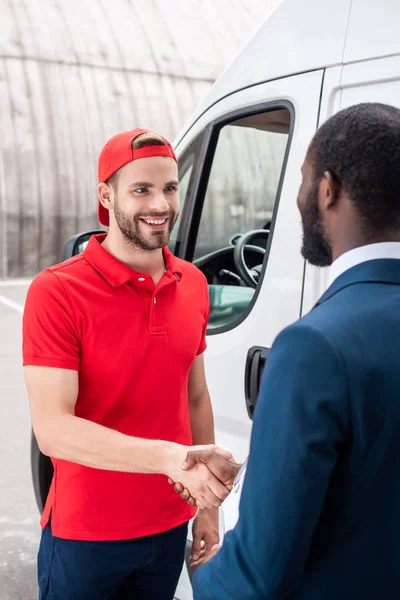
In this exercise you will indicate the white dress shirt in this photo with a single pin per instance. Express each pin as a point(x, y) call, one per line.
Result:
point(362, 254)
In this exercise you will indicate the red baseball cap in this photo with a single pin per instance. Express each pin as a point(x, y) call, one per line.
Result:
point(119, 152)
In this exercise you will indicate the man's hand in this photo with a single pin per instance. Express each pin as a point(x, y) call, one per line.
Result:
point(220, 466)
point(206, 490)
point(214, 551)
point(205, 535)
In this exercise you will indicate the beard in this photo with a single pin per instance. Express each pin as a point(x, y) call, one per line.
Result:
point(131, 229)
point(316, 247)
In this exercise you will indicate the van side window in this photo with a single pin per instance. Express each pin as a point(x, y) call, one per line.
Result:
point(238, 211)
point(186, 168)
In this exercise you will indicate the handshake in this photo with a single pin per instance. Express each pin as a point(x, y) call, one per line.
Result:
point(204, 476)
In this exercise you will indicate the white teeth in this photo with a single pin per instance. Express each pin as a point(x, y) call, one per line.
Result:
point(155, 221)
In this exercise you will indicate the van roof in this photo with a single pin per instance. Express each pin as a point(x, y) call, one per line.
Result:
point(304, 35)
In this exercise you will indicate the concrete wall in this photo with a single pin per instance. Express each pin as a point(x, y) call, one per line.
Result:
point(74, 73)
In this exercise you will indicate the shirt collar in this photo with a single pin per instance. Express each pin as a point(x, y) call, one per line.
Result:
point(113, 270)
point(362, 254)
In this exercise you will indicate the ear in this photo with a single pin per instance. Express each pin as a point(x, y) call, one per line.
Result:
point(329, 191)
point(106, 195)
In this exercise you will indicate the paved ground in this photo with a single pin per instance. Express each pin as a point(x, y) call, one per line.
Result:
point(19, 526)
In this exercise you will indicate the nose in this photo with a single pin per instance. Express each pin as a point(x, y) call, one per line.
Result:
point(159, 203)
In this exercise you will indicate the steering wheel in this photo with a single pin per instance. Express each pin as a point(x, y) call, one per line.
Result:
point(248, 275)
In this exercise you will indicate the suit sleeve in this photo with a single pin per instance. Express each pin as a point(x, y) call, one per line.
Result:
point(300, 422)
point(50, 336)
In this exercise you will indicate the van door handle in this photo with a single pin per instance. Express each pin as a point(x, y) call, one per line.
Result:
point(256, 359)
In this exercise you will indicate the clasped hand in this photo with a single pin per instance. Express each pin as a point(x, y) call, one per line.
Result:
point(206, 476)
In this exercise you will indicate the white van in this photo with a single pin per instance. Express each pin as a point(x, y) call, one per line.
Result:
point(239, 166)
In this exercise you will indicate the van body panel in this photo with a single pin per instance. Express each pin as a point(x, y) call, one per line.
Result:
point(285, 45)
point(373, 30)
point(374, 80)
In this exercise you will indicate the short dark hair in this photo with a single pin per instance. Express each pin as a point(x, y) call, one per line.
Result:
point(142, 140)
point(360, 147)
point(113, 180)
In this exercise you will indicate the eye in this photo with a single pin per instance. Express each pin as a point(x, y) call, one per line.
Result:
point(141, 190)
point(171, 188)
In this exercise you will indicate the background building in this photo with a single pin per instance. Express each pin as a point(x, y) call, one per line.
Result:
point(73, 74)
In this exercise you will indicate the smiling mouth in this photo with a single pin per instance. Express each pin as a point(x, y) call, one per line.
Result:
point(155, 223)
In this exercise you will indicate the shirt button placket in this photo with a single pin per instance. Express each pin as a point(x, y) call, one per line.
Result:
point(145, 290)
point(156, 317)
point(153, 316)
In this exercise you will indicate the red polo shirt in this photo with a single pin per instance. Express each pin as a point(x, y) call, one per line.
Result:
point(133, 346)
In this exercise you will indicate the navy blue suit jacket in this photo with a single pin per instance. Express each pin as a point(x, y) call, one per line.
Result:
point(320, 508)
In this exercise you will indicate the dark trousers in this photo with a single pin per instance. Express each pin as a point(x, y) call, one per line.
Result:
point(146, 568)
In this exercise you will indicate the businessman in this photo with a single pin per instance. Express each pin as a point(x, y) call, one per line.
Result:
point(320, 508)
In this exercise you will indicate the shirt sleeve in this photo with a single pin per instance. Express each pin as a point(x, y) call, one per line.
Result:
point(49, 333)
point(206, 312)
point(300, 423)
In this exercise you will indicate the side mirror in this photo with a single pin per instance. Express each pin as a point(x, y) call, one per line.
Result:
point(77, 243)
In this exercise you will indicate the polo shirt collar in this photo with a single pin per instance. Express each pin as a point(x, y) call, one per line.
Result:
point(113, 270)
